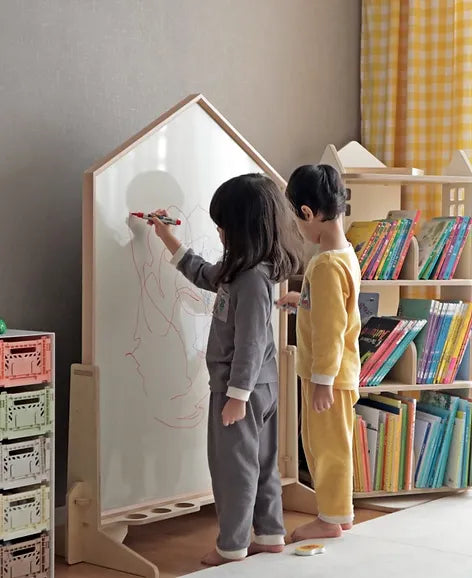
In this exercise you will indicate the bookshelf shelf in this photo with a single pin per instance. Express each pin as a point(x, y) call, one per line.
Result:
point(392, 387)
point(398, 179)
point(412, 492)
point(417, 283)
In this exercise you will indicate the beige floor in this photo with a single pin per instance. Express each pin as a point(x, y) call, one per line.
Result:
point(177, 545)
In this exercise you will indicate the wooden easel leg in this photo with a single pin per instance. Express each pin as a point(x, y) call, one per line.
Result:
point(106, 552)
point(86, 540)
point(299, 498)
point(88, 543)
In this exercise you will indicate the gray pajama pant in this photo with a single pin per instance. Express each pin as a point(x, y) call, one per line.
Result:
point(244, 472)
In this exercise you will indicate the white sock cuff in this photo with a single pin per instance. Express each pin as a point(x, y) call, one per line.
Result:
point(232, 554)
point(336, 519)
point(270, 540)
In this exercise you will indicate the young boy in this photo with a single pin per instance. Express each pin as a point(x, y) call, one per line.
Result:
point(328, 326)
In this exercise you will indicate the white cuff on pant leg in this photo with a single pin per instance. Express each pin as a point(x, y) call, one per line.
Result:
point(232, 554)
point(275, 540)
point(336, 519)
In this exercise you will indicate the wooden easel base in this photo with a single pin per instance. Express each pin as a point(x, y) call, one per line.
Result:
point(101, 547)
point(299, 498)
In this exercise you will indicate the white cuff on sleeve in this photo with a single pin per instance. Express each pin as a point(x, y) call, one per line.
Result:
point(238, 393)
point(322, 379)
point(178, 255)
point(232, 554)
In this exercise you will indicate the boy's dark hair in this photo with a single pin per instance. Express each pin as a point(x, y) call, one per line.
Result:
point(258, 227)
point(319, 187)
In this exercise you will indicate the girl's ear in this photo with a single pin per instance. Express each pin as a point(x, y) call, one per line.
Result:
point(307, 213)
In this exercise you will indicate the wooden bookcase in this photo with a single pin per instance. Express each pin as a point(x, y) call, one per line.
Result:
point(373, 190)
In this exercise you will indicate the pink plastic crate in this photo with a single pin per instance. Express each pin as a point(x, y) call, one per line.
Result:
point(28, 559)
point(25, 362)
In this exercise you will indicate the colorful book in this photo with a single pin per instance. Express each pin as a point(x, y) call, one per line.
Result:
point(431, 443)
point(453, 477)
point(464, 233)
point(446, 254)
point(413, 217)
point(411, 331)
point(445, 406)
point(422, 433)
point(431, 239)
point(360, 234)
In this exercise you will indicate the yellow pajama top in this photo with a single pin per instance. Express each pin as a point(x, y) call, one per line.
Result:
point(328, 320)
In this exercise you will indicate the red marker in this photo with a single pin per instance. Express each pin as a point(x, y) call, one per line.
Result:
point(150, 217)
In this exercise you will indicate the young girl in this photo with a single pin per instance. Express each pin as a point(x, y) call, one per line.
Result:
point(253, 224)
point(328, 326)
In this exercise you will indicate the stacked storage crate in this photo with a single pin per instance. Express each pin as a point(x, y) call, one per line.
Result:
point(26, 454)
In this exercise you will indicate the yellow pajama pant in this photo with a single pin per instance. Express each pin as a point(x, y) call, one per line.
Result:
point(327, 442)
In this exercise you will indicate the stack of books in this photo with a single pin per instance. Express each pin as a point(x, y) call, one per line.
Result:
point(443, 343)
point(381, 246)
point(382, 342)
point(401, 442)
point(441, 242)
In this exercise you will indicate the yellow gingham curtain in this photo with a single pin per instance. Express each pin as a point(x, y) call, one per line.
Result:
point(416, 86)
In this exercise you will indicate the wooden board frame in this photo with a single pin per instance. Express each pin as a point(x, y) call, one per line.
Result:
point(91, 537)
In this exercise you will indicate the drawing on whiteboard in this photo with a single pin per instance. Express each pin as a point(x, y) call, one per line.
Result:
point(171, 308)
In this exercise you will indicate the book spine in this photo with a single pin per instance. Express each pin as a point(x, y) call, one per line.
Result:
point(365, 455)
point(394, 226)
point(430, 263)
point(432, 346)
point(449, 274)
point(456, 361)
point(377, 240)
point(378, 256)
point(421, 456)
point(448, 249)
point(368, 248)
point(441, 342)
point(401, 234)
point(410, 455)
point(380, 458)
point(406, 246)
point(423, 353)
point(451, 340)
point(445, 446)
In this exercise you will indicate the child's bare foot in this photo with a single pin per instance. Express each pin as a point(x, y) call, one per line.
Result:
point(347, 526)
point(215, 559)
point(316, 529)
point(255, 548)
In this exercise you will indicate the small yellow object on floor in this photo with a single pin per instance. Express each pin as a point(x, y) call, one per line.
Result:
point(310, 550)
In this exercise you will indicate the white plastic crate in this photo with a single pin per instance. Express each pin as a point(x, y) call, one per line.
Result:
point(25, 463)
point(24, 513)
point(26, 559)
point(26, 414)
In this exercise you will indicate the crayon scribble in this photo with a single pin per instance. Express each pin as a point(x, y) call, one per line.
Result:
point(174, 315)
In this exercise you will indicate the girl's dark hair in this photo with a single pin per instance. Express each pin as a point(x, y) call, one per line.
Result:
point(258, 227)
point(319, 187)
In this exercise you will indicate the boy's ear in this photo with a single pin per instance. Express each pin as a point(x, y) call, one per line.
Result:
point(307, 213)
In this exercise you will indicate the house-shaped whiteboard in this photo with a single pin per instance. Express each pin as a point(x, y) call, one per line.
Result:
point(144, 326)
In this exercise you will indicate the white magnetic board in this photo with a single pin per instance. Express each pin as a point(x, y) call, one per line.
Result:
point(149, 325)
